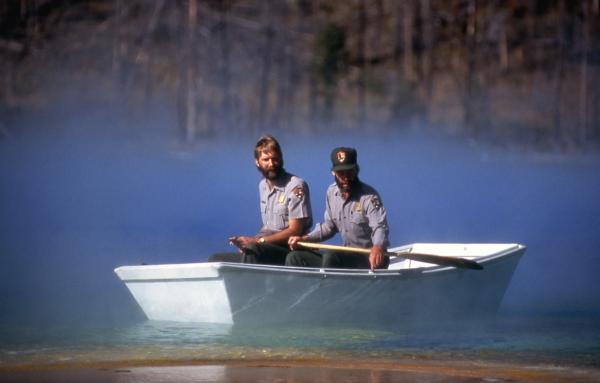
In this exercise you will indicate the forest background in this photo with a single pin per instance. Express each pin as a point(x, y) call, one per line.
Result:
point(505, 72)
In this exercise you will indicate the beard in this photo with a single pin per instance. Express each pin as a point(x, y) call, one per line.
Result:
point(271, 174)
point(347, 187)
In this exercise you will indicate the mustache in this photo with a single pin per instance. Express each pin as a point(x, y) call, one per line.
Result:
point(351, 184)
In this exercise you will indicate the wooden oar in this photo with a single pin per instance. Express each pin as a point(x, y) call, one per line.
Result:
point(441, 260)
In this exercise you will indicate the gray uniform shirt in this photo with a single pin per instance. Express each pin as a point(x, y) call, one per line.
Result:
point(360, 220)
point(288, 200)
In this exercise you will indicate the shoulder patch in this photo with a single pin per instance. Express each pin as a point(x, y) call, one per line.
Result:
point(376, 203)
point(298, 192)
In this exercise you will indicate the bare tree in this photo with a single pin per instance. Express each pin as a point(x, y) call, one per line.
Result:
point(119, 47)
point(500, 19)
point(594, 122)
point(405, 77)
point(283, 67)
point(145, 51)
point(426, 56)
point(471, 68)
point(408, 30)
point(582, 124)
point(191, 99)
point(265, 74)
point(557, 135)
point(361, 62)
point(228, 113)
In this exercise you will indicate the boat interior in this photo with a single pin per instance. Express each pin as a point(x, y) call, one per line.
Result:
point(474, 251)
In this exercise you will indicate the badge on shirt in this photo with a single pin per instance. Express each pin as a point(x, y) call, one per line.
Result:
point(281, 198)
point(357, 207)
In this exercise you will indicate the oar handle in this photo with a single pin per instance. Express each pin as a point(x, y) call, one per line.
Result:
point(325, 246)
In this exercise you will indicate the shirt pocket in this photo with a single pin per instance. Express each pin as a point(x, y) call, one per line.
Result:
point(280, 215)
point(359, 220)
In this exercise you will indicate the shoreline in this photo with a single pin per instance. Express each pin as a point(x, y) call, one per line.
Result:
point(310, 369)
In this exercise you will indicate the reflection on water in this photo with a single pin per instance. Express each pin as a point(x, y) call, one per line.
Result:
point(179, 374)
point(369, 372)
point(531, 341)
point(157, 332)
point(304, 374)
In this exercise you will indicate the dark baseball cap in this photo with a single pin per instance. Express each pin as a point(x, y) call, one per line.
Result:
point(343, 159)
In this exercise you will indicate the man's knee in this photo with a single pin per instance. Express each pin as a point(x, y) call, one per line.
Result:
point(250, 253)
point(293, 258)
point(252, 248)
point(331, 260)
point(225, 257)
point(303, 258)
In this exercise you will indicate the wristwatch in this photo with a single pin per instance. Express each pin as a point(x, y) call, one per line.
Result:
point(261, 240)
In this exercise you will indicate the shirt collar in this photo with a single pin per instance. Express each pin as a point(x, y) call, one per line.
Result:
point(354, 194)
point(281, 187)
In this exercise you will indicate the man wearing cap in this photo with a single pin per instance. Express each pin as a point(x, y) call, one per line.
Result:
point(353, 209)
point(284, 207)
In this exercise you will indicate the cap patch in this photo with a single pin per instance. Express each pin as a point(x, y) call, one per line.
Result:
point(343, 159)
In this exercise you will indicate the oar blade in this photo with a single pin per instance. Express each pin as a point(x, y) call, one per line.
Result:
point(461, 263)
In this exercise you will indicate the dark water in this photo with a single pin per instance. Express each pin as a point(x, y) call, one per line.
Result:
point(71, 210)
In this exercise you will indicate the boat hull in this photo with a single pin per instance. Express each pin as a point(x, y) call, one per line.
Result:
point(261, 294)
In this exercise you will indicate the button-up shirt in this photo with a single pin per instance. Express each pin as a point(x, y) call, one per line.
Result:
point(360, 219)
point(289, 199)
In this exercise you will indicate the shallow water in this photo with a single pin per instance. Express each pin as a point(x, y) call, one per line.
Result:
point(530, 341)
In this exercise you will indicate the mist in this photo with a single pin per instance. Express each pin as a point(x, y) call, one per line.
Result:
point(73, 206)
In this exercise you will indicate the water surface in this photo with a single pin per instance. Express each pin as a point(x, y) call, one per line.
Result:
point(73, 210)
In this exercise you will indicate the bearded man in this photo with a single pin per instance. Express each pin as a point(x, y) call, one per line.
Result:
point(353, 209)
point(284, 208)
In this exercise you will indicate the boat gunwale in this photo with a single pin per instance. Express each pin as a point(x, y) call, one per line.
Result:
point(516, 250)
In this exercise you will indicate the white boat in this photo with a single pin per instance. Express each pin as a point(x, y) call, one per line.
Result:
point(234, 293)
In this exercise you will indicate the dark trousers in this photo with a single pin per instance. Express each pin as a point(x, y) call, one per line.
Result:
point(331, 260)
point(263, 253)
point(226, 257)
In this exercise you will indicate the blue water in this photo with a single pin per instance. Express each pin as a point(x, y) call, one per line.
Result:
point(73, 209)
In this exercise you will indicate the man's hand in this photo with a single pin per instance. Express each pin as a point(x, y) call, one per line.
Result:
point(242, 241)
point(293, 241)
point(376, 257)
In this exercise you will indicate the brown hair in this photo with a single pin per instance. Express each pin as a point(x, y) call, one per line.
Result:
point(267, 144)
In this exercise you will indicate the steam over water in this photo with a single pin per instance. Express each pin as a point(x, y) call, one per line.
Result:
point(73, 209)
